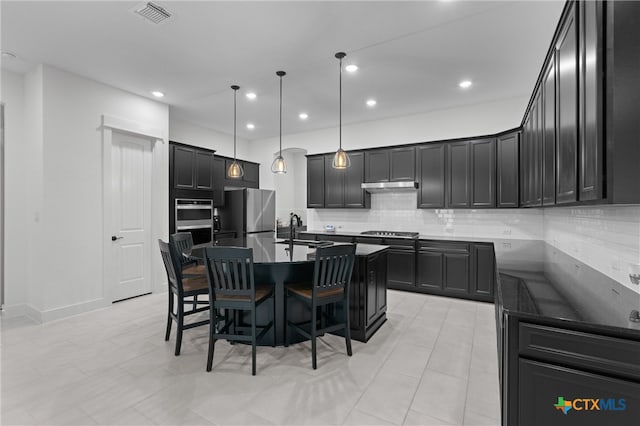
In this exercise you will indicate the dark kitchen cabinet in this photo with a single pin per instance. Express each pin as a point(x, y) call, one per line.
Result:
point(251, 178)
point(537, 147)
point(458, 174)
point(525, 155)
point(483, 173)
point(204, 170)
point(390, 165)
point(484, 268)
point(401, 263)
point(315, 181)
point(549, 134)
point(376, 286)
point(184, 161)
point(354, 195)
point(219, 173)
point(430, 172)
point(590, 182)
point(508, 193)
point(333, 184)
point(444, 268)
point(567, 113)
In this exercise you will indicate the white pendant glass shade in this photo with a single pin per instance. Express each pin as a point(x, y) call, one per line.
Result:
point(341, 160)
point(235, 170)
point(278, 166)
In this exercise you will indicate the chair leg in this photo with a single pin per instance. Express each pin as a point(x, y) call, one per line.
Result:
point(253, 341)
point(273, 324)
point(180, 326)
point(212, 340)
point(314, 311)
point(170, 311)
point(286, 329)
point(347, 327)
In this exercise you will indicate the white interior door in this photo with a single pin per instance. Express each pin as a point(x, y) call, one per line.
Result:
point(131, 216)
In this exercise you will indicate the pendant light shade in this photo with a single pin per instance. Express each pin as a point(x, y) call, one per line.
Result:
point(279, 166)
point(341, 159)
point(235, 170)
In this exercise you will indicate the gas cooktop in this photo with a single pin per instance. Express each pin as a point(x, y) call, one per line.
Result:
point(391, 234)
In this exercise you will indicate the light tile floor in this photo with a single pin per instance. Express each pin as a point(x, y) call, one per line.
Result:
point(432, 363)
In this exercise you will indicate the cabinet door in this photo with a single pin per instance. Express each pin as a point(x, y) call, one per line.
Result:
point(591, 115)
point(402, 164)
point(536, 159)
point(484, 274)
point(381, 284)
point(430, 167)
point(541, 385)
point(315, 182)
point(184, 160)
point(459, 174)
point(483, 176)
point(549, 134)
point(204, 170)
point(567, 84)
point(372, 289)
point(354, 195)
point(524, 162)
point(457, 268)
point(251, 176)
point(333, 184)
point(377, 165)
point(401, 267)
point(430, 270)
point(219, 173)
point(508, 171)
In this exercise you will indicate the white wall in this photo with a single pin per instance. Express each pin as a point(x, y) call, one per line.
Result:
point(607, 238)
point(470, 120)
point(291, 188)
point(63, 147)
point(15, 269)
point(192, 134)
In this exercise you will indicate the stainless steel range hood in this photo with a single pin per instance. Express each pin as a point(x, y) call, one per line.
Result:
point(389, 186)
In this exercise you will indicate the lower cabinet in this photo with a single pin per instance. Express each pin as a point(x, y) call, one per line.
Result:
point(484, 272)
point(401, 264)
point(444, 268)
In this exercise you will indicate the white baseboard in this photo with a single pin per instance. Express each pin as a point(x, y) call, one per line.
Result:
point(21, 310)
point(27, 310)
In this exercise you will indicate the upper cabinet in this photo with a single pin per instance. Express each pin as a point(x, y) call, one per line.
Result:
point(390, 165)
point(191, 167)
point(507, 175)
point(336, 188)
point(458, 175)
point(251, 178)
point(483, 173)
point(549, 133)
point(567, 112)
point(430, 172)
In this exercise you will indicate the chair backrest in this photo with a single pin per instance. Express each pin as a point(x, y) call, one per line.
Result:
point(183, 242)
point(230, 271)
point(172, 266)
point(333, 267)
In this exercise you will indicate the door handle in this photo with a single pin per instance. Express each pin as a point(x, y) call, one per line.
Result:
point(114, 238)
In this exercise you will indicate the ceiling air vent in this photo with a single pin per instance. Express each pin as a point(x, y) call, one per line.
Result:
point(153, 13)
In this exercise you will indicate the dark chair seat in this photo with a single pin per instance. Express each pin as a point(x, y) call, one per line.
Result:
point(195, 270)
point(305, 290)
point(261, 293)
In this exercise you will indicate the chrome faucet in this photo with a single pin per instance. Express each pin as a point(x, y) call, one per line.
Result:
point(292, 230)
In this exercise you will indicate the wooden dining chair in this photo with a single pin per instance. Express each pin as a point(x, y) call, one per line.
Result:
point(191, 265)
point(232, 288)
point(180, 288)
point(330, 285)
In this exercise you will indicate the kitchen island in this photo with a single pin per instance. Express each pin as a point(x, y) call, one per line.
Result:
point(277, 263)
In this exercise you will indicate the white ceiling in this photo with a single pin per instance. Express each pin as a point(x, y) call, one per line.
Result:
point(411, 55)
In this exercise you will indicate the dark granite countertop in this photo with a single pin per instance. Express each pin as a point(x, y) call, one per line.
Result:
point(267, 249)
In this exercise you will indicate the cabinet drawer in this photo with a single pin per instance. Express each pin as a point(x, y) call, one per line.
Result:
point(369, 240)
point(401, 244)
point(579, 349)
point(444, 246)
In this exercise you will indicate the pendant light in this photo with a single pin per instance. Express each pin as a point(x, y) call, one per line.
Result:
point(341, 159)
point(235, 169)
point(278, 165)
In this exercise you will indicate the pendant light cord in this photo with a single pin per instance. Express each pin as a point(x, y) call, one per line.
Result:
point(281, 116)
point(340, 108)
point(235, 93)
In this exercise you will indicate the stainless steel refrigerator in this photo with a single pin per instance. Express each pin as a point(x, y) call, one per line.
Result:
point(249, 211)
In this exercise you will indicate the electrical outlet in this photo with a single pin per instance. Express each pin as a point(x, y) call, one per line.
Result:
point(506, 231)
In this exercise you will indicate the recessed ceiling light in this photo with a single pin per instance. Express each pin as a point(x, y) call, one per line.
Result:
point(303, 116)
point(351, 68)
point(465, 84)
point(251, 95)
point(157, 94)
point(371, 102)
point(8, 55)
point(251, 126)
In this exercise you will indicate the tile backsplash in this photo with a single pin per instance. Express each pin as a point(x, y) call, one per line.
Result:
point(605, 237)
point(397, 212)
